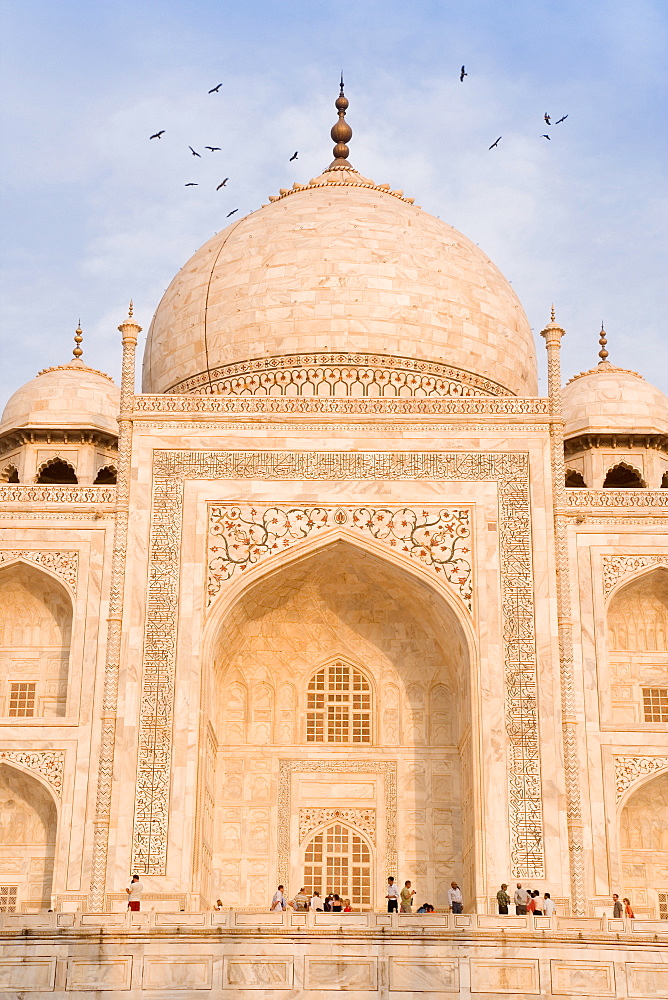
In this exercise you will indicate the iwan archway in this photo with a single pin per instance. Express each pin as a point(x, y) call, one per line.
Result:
point(340, 737)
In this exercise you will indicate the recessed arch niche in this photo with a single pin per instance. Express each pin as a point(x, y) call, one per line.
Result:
point(644, 843)
point(28, 823)
point(340, 604)
point(35, 637)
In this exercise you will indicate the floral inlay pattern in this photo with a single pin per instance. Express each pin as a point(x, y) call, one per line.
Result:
point(240, 535)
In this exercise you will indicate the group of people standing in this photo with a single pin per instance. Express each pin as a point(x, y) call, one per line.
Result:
point(402, 899)
point(526, 901)
point(332, 903)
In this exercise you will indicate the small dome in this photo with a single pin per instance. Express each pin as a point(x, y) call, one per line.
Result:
point(68, 396)
point(339, 268)
point(609, 400)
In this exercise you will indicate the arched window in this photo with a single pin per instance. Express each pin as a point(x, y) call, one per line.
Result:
point(338, 860)
point(339, 705)
point(106, 476)
point(57, 472)
point(623, 477)
point(574, 479)
point(10, 474)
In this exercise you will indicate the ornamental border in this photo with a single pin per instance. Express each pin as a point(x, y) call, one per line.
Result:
point(286, 767)
point(62, 563)
point(617, 567)
point(171, 468)
point(629, 769)
point(48, 764)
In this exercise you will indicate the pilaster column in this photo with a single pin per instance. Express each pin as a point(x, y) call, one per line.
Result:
point(129, 331)
point(553, 334)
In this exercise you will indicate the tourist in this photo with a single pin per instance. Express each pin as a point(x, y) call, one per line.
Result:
point(503, 899)
point(407, 898)
point(628, 909)
point(423, 909)
point(537, 904)
point(392, 896)
point(617, 908)
point(337, 905)
point(549, 909)
point(521, 900)
point(300, 902)
point(455, 901)
point(347, 907)
point(327, 905)
point(134, 892)
point(531, 902)
point(315, 902)
point(219, 904)
point(279, 902)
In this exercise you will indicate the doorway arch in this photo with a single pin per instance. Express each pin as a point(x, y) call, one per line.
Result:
point(342, 603)
point(28, 825)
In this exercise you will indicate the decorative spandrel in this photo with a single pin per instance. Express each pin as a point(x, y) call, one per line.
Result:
point(439, 538)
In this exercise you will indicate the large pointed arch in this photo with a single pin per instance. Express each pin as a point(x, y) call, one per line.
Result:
point(28, 829)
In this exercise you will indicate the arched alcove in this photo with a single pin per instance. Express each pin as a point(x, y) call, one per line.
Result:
point(338, 858)
point(638, 649)
point(28, 822)
point(574, 480)
point(623, 476)
point(10, 474)
point(35, 635)
point(106, 476)
point(57, 472)
point(644, 843)
point(399, 654)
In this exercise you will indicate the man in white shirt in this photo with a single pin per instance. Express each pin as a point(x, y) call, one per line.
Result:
point(392, 896)
point(315, 902)
point(521, 900)
point(549, 909)
point(279, 902)
point(134, 891)
point(455, 900)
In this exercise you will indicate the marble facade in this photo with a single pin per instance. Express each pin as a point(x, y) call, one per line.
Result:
point(322, 610)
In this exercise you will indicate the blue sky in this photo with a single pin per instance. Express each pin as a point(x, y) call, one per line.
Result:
point(93, 213)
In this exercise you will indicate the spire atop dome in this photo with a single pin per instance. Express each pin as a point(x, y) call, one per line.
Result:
point(78, 339)
point(341, 132)
point(603, 341)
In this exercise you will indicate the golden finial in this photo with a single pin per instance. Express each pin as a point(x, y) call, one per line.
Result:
point(552, 314)
point(603, 340)
point(131, 309)
point(78, 339)
point(341, 132)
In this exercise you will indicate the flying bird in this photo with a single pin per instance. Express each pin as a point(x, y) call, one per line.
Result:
point(191, 184)
point(213, 149)
point(232, 212)
point(214, 90)
point(194, 152)
point(222, 184)
point(560, 120)
point(294, 156)
point(544, 136)
point(157, 135)
point(497, 142)
point(462, 74)
point(546, 119)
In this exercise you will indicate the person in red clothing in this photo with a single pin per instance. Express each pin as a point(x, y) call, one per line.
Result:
point(628, 909)
point(531, 902)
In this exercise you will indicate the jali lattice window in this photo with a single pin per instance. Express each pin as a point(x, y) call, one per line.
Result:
point(339, 860)
point(8, 895)
point(339, 706)
point(655, 704)
point(663, 905)
point(22, 698)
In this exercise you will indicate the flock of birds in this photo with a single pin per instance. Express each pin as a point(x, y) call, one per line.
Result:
point(211, 149)
point(546, 117)
point(217, 149)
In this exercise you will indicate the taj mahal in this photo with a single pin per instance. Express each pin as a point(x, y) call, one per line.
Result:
point(337, 596)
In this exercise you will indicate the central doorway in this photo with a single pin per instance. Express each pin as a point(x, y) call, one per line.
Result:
point(338, 860)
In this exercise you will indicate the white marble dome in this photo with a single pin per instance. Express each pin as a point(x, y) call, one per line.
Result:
point(68, 396)
point(609, 400)
point(337, 268)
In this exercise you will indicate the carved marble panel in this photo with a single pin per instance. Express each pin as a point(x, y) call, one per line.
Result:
point(440, 538)
point(647, 980)
point(362, 819)
point(48, 764)
point(100, 973)
point(628, 770)
point(257, 973)
point(340, 973)
point(583, 978)
point(30, 975)
point(615, 568)
point(64, 564)
point(508, 470)
point(178, 972)
point(498, 976)
point(416, 975)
